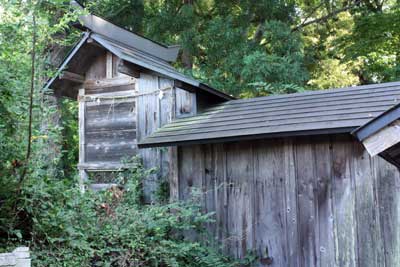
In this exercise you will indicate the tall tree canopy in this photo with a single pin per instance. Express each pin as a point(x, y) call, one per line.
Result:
point(249, 48)
point(244, 47)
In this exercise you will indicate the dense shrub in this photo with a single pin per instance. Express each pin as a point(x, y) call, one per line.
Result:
point(111, 228)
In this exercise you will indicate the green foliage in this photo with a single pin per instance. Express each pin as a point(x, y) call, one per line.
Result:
point(246, 48)
point(376, 41)
point(110, 228)
point(332, 73)
point(221, 43)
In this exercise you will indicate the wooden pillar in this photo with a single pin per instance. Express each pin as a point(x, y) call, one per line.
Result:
point(82, 172)
point(173, 157)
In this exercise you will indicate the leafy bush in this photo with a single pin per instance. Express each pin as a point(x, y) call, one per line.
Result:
point(111, 228)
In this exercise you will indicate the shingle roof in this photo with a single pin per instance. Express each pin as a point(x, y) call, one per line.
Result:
point(142, 59)
point(313, 112)
point(138, 57)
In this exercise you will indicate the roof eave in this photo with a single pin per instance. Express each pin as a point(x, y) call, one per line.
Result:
point(377, 123)
point(68, 58)
point(148, 144)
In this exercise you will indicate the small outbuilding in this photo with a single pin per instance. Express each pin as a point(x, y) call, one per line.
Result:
point(285, 176)
point(288, 176)
point(126, 88)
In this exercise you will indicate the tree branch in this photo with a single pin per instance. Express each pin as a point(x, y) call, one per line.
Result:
point(324, 18)
point(32, 87)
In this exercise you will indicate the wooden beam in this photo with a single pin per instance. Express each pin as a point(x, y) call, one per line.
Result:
point(81, 120)
point(73, 77)
point(109, 65)
point(100, 187)
point(184, 86)
point(129, 69)
point(104, 83)
point(105, 166)
point(383, 139)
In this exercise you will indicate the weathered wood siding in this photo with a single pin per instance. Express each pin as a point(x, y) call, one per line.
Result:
point(108, 110)
point(158, 102)
point(310, 201)
point(110, 130)
point(116, 111)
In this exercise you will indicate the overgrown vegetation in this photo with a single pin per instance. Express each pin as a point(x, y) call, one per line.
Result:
point(110, 228)
point(246, 48)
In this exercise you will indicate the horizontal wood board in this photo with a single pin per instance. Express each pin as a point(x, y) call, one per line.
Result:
point(305, 201)
point(110, 130)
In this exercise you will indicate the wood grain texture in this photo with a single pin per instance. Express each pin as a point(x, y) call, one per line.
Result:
point(270, 232)
point(344, 197)
point(325, 247)
point(147, 118)
point(155, 109)
point(306, 198)
point(383, 139)
point(370, 245)
point(387, 186)
point(240, 203)
point(310, 201)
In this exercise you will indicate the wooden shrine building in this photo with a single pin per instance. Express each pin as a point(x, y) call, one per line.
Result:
point(288, 176)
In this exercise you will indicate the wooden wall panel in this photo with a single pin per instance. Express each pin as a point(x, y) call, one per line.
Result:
point(314, 201)
point(388, 187)
point(240, 202)
point(370, 245)
point(344, 202)
point(185, 103)
point(148, 118)
point(220, 190)
point(110, 130)
point(325, 246)
point(157, 105)
point(270, 209)
point(304, 163)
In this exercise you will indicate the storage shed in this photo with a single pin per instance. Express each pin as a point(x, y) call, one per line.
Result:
point(126, 88)
point(287, 176)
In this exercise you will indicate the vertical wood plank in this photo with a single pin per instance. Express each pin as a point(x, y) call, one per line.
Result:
point(173, 157)
point(344, 202)
point(173, 174)
point(209, 187)
point(324, 203)
point(370, 247)
point(147, 123)
point(270, 205)
point(291, 203)
point(81, 121)
point(240, 201)
point(164, 110)
point(221, 194)
point(191, 172)
point(185, 103)
point(109, 65)
point(97, 69)
point(388, 191)
point(304, 161)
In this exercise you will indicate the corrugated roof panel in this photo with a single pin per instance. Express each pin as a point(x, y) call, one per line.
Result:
point(310, 112)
